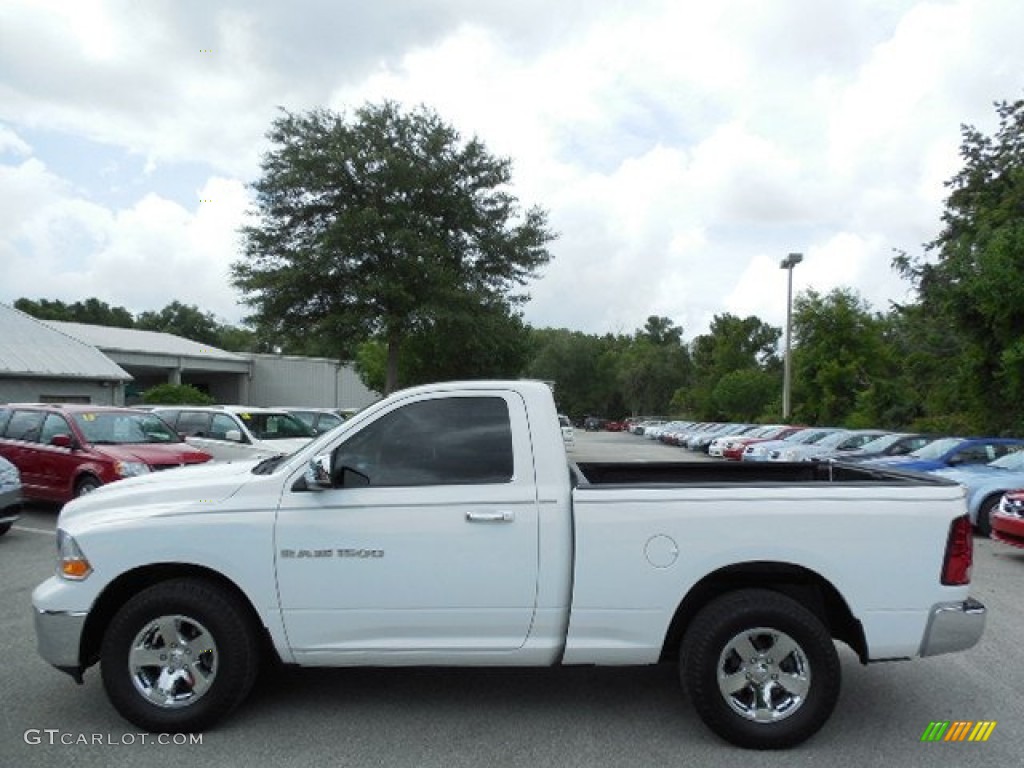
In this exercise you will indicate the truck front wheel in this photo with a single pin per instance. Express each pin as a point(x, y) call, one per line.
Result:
point(179, 656)
point(761, 670)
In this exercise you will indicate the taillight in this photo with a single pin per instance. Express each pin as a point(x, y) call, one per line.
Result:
point(956, 566)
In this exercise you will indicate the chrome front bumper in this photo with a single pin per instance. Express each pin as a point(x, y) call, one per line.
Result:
point(59, 639)
point(953, 627)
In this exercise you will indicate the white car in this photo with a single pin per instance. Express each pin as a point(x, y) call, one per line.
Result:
point(237, 432)
point(568, 433)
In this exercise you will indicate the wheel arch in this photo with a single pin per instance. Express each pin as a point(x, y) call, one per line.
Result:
point(130, 583)
point(807, 587)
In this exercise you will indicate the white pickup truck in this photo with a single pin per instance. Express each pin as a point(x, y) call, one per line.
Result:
point(445, 526)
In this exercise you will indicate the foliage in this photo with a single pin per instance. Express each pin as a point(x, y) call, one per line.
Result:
point(970, 280)
point(175, 394)
point(840, 352)
point(91, 311)
point(380, 226)
point(583, 368)
point(489, 342)
point(732, 345)
point(183, 320)
point(653, 366)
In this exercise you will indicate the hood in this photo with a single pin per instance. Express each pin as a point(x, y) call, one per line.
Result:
point(286, 446)
point(970, 470)
point(154, 454)
point(909, 463)
point(172, 491)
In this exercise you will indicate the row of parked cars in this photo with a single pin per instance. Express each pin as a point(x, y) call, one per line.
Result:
point(991, 469)
point(56, 452)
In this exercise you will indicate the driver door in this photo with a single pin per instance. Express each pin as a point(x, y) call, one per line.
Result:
point(426, 546)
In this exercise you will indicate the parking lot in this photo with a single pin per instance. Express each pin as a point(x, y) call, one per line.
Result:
point(560, 717)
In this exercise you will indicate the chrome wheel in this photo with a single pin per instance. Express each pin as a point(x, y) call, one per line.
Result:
point(173, 661)
point(764, 675)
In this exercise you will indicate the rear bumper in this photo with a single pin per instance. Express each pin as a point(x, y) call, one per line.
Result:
point(953, 627)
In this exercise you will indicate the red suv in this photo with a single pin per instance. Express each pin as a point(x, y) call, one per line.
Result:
point(63, 451)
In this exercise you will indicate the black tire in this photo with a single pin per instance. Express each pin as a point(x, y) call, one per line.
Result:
point(87, 484)
point(984, 522)
point(5, 527)
point(759, 711)
point(208, 668)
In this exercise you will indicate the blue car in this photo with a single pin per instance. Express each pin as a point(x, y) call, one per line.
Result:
point(986, 484)
point(952, 452)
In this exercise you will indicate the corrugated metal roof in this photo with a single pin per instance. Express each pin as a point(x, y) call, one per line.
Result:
point(147, 342)
point(29, 347)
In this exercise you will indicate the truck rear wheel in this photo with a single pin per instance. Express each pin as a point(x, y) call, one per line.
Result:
point(761, 670)
point(179, 656)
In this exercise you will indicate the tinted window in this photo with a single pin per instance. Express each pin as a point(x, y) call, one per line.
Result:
point(450, 441)
point(24, 425)
point(5, 416)
point(221, 425)
point(274, 426)
point(193, 423)
point(327, 421)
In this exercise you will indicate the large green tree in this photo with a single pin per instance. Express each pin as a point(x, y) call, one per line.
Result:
point(840, 351)
point(745, 346)
point(376, 224)
point(970, 279)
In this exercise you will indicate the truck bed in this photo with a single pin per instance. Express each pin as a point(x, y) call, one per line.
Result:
point(716, 473)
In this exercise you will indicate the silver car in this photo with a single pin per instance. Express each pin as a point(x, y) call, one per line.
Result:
point(10, 495)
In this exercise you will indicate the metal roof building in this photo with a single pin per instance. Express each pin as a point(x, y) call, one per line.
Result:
point(54, 361)
point(155, 358)
point(39, 363)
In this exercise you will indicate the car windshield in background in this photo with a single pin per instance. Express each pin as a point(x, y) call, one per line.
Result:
point(275, 426)
point(109, 428)
point(937, 449)
point(1013, 461)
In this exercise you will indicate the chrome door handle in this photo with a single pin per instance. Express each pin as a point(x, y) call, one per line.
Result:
point(490, 517)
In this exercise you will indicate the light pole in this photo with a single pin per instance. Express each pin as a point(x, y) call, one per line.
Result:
point(788, 263)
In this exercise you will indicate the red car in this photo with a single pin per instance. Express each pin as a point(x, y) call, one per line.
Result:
point(64, 451)
point(1008, 519)
point(735, 449)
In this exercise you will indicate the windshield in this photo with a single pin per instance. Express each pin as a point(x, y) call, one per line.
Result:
point(937, 449)
point(124, 428)
point(275, 426)
point(1012, 461)
point(833, 439)
point(879, 444)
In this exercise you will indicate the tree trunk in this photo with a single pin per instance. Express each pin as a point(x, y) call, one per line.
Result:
point(391, 376)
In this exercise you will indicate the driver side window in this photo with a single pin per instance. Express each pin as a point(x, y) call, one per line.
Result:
point(447, 441)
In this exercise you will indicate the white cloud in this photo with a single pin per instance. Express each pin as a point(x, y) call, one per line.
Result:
point(682, 148)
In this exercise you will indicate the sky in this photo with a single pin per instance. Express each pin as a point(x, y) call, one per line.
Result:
point(682, 149)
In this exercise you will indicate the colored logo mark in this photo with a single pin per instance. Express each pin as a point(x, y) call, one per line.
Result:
point(958, 730)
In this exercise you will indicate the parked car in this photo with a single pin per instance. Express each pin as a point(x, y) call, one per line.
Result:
point(319, 420)
point(894, 444)
point(831, 446)
point(1008, 519)
point(762, 451)
point(986, 484)
point(10, 495)
point(64, 451)
point(568, 432)
point(238, 432)
point(736, 447)
point(952, 452)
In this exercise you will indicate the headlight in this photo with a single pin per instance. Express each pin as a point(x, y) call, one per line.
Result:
point(130, 468)
point(71, 562)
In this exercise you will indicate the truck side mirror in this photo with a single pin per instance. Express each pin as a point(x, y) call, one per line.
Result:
point(62, 441)
point(318, 473)
point(234, 435)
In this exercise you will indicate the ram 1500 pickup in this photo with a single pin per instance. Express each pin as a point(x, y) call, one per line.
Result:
point(445, 526)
